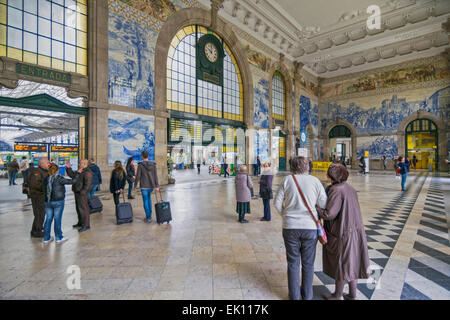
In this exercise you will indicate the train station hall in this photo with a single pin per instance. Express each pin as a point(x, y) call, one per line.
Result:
point(224, 150)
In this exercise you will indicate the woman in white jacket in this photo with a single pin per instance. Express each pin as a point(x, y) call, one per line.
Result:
point(299, 229)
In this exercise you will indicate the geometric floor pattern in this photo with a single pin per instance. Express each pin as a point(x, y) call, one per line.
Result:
point(382, 233)
point(428, 274)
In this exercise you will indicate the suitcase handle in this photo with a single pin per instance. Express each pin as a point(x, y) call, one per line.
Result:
point(160, 196)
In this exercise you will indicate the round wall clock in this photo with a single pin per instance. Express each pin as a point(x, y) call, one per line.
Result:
point(211, 52)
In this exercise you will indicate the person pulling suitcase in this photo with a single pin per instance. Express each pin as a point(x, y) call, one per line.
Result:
point(147, 179)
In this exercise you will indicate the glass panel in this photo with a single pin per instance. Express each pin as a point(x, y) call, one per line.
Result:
point(57, 31)
point(57, 49)
point(30, 22)
point(44, 46)
point(57, 13)
point(30, 42)
point(70, 35)
point(15, 3)
point(70, 53)
point(44, 27)
point(14, 18)
point(30, 6)
point(44, 9)
point(14, 38)
point(71, 18)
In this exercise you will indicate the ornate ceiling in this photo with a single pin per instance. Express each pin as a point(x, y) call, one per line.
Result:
point(331, 37)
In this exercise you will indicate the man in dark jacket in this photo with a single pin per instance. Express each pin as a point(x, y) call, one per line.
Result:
point(147, 177)
point(96, 177)
point(35, 180)
point(13, 169)
point(81, 189)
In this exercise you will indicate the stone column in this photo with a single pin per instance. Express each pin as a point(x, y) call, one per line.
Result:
point(98, 85)
point(161, 146)
point(215, 6)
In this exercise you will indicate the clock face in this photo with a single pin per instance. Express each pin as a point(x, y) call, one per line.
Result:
point(211, 52)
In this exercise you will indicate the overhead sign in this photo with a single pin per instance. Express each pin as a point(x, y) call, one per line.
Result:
point(30, 148)
point(64, 149)
point(366, 153)
point(43, 73)
point(318, 165)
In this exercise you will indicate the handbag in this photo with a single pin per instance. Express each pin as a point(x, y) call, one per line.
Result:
point(320, 230)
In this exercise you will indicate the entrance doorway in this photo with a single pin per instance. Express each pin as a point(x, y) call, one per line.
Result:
point(41, 126)
point(421, 143)
point(340, 144)
point(279, 150)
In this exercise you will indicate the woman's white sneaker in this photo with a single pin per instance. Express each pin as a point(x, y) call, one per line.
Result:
point(47, 241)
point(64, 239)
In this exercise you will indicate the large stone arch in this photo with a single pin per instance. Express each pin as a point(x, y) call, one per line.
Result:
point(177, 21)
point(442, 135)
point(192, 16)
point(326, 139)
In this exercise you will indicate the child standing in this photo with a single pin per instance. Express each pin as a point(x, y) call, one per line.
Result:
point(243, 184)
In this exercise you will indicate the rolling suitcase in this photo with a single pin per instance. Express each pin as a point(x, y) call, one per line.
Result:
point(95, 205)
point(124, 212)
point(163, 213)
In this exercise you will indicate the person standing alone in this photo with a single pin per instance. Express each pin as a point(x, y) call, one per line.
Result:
point(147, 179)
point(13, 169)
point(403, 166)
point(265, 190)
point(37, 195)
point(117, 182)
point(131, 176)
point(81, 189)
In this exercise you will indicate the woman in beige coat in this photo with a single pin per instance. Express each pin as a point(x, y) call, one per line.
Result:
point(345, 256)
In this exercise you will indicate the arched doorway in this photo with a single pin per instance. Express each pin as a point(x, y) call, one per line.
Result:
point(421, 143)
point(340, 142)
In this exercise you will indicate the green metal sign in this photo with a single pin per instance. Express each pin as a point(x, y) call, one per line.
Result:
point(43, 73)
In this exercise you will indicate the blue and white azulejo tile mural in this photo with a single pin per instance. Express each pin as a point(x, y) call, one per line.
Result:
point(129, 135)
point(261, 102)
point(377, 146)
point(309, 114)
point(385, 115)
point(262, 145)
point(131, 58)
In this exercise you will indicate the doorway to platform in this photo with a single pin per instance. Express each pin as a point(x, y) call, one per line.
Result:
point(340, 144)
point(421, 144)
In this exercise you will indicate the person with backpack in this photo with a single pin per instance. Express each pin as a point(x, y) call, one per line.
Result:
point(243, 184)
point(131, 176)
point(55, 194)
point(147, 178)
point(96, 177)
point(265, 190)
point(117, 181)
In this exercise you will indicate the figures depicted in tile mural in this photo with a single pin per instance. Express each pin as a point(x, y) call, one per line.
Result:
point(308, 114)
point(261, 103)
point(129, 135)
point(377, 147)
point(388, 116)
point(258, 60)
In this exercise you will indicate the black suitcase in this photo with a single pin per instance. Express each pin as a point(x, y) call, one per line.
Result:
point(95, 205)
point(163, 213)
point(124, 212)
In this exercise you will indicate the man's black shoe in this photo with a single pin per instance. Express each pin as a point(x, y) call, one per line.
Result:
point(83, 229)
point(77, 225)
point(131, 197)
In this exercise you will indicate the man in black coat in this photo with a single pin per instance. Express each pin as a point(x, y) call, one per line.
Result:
point(36, 191)
point(81, 188)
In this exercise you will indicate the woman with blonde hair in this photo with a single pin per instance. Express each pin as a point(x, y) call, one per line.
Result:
point(55, 194)
point(243, 185)
point(118, 181)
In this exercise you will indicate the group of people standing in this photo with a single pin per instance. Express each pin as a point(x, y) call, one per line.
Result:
point(47, 192)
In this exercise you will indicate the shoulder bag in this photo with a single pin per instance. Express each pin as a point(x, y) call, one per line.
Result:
point(320, 230)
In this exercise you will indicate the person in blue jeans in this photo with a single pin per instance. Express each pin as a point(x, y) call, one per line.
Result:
point(403, 165)
point(265, 190)
point(55, 193)
point(147, 179)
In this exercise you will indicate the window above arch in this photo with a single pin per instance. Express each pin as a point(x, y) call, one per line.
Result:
point(421, 125)
point(186, 93)
point(340, 131)
point(278, 97)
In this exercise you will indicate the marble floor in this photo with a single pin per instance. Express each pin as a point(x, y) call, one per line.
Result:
point(206, 254)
